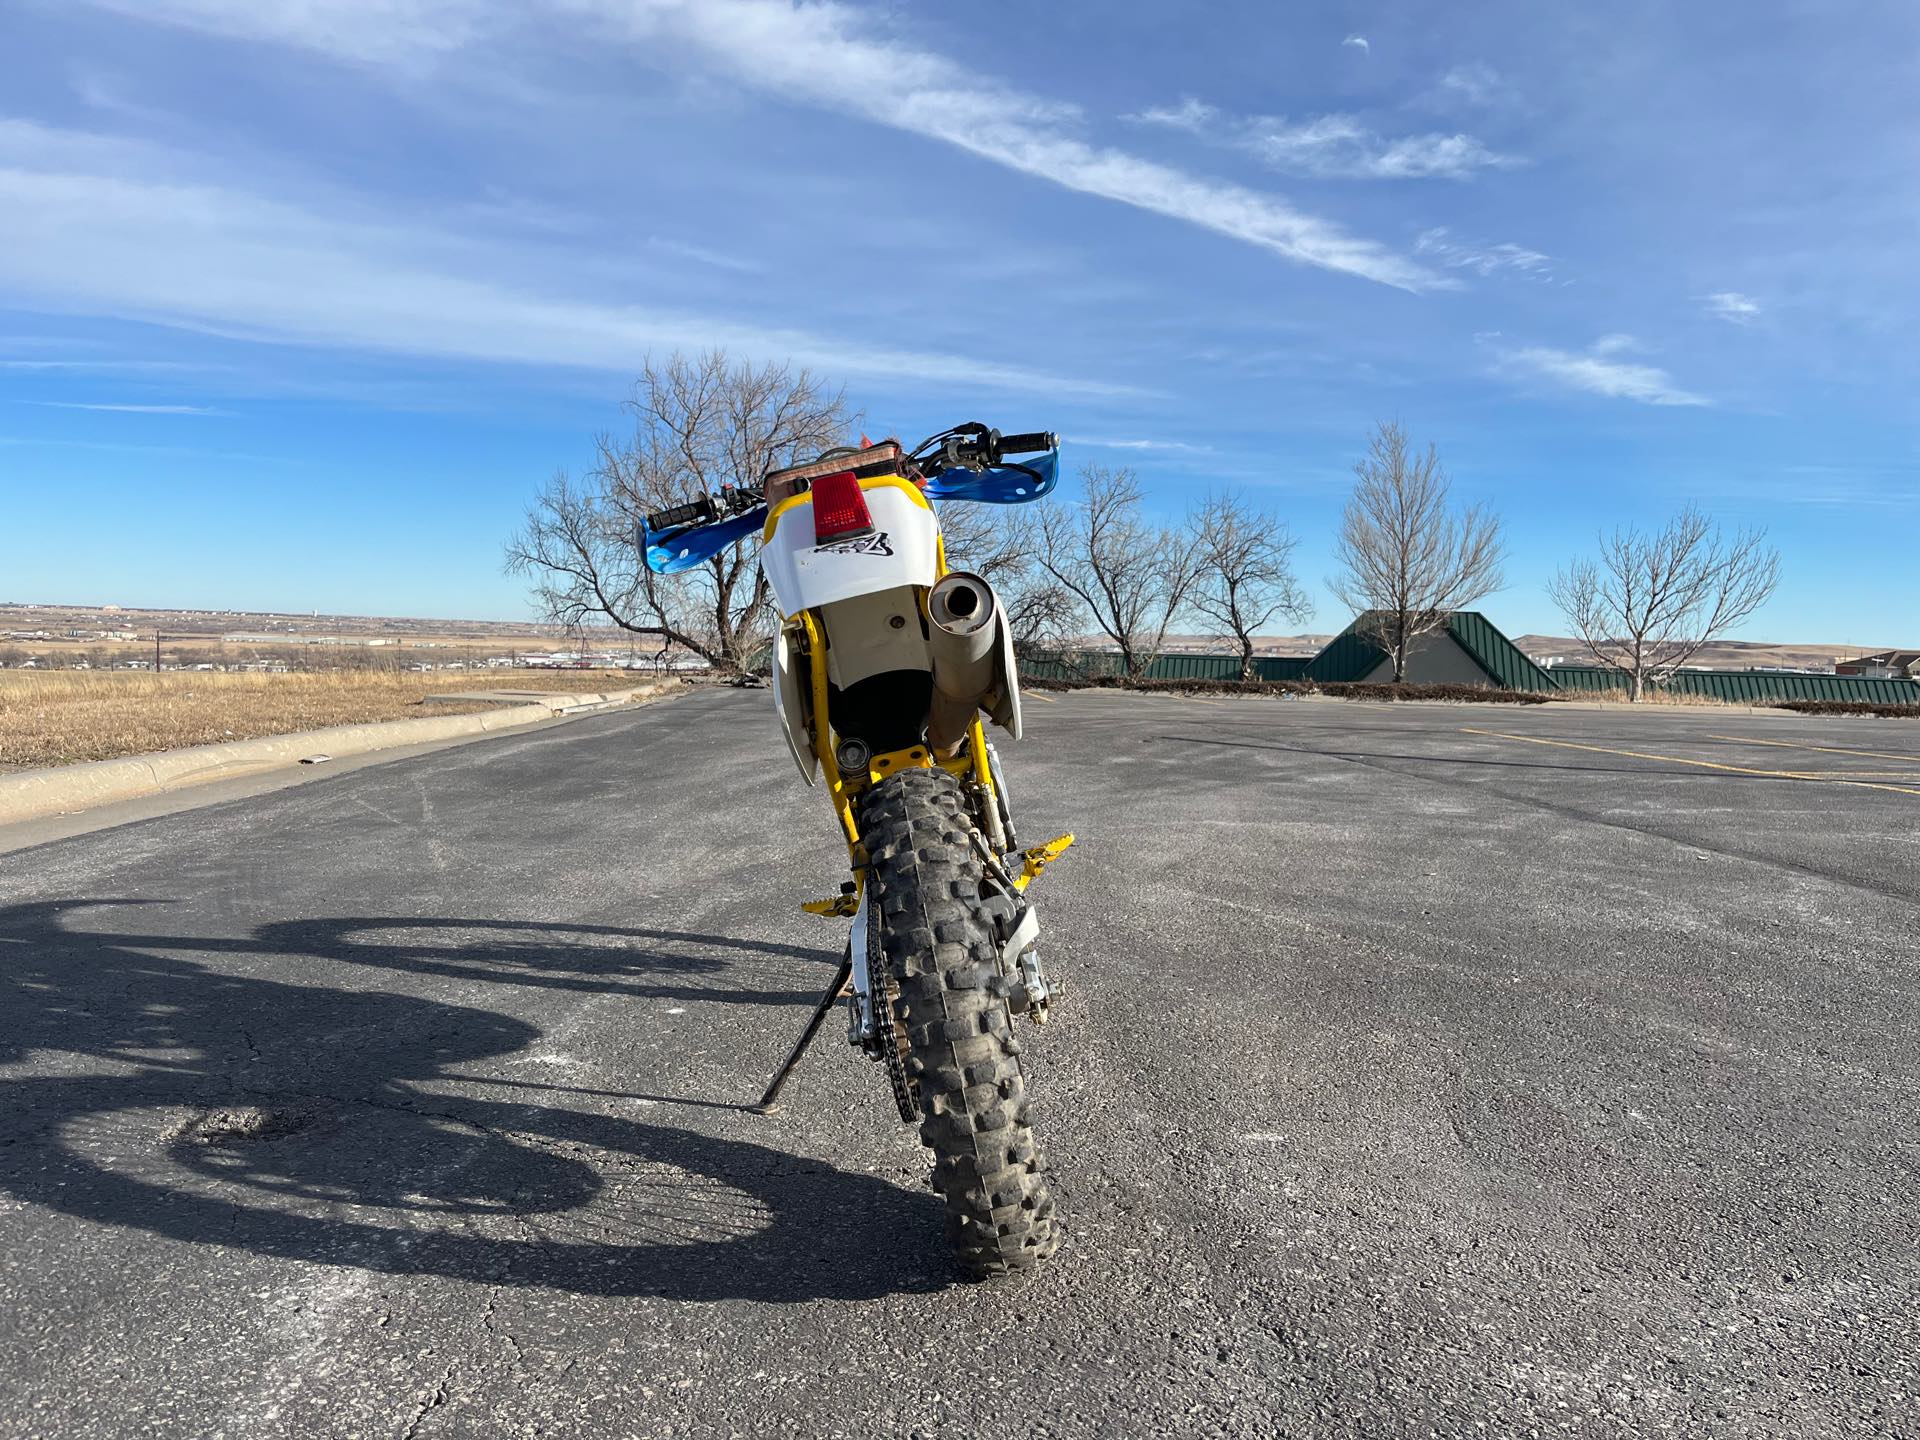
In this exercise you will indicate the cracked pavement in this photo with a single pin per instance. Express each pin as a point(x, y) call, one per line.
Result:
point(1423, 1070)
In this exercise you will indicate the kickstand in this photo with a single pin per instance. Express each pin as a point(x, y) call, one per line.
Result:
point(834, 992)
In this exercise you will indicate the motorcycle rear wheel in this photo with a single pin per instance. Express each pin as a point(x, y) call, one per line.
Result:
point(930, 903)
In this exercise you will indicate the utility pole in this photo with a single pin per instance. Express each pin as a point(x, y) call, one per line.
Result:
point(156, 649)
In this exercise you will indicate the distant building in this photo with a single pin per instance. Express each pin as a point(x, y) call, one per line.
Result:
point(256, 638)
point(1882, 665)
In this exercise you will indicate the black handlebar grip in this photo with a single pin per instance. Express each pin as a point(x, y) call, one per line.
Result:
point(701, 509)
point(1030, 443)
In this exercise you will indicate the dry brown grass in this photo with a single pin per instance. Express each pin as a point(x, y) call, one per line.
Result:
point(59, 717)
point(1655, 696)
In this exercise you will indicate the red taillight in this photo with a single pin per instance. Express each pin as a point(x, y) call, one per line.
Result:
point(839, 508)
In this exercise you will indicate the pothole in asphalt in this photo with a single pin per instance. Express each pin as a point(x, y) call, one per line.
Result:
point(240, 1125)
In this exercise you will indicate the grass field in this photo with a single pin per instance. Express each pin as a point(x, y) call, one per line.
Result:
point(60, 717)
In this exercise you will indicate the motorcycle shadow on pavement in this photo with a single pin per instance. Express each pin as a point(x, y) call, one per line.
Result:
point(205, 1104)
point(604, 959)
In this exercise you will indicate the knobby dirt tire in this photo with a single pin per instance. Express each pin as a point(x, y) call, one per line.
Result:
point(935, 920)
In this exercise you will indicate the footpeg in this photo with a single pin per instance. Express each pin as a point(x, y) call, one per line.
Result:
point(845, 904)
point(1038, 857)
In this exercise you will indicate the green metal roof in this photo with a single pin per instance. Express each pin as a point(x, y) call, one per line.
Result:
point(1348, 656)
point(1494, 653)
point(1351, 656)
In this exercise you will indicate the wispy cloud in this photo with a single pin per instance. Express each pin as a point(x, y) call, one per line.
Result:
point(1169, 446)
point(1192, 115)
point(1850, 485)
point(1476, 84)
point(1601, 370)
point(1732, 306)
point(127, 408)
point(230, 263)
point(1337, 147)
point(499, 209)
point(833, 57)
point(102, 367)
point(719, 260)
point(100, 91)
point(1443, 246)
point(822, 55)
point(1358, 42)
point(364, 31)
point(44, 442)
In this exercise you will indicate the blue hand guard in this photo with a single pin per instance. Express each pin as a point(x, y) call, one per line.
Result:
point(999, 485)
point(670, 552)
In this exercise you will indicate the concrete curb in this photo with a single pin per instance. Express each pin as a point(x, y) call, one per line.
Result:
point(36, 794)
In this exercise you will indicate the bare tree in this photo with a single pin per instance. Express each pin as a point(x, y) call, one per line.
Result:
point(1131, 576)
point(1651, 600)
point(1246, 570)
point(1044, 617)
point(699, 424)
point(1000, 544)
point(989, 540)
point(1409, 560)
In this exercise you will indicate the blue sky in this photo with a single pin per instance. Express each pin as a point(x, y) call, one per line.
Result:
point(299, 302)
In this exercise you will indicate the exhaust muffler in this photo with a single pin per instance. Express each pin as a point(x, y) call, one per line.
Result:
point(964, 639)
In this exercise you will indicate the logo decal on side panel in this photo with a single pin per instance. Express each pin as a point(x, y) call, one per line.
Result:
point(875, 544)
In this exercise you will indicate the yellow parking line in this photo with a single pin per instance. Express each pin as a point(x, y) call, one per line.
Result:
point(1862, 774)
point(1043, 699)
point(1823, 749)
point(1683, 760)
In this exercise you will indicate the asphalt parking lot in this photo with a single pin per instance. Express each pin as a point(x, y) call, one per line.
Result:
point(1425, 1069)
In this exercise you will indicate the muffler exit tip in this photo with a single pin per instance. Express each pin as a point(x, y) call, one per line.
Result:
point(961, 603)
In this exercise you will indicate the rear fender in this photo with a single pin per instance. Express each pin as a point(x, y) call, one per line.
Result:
point(872, 633)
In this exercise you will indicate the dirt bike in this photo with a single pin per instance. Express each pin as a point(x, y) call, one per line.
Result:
point(883, 666)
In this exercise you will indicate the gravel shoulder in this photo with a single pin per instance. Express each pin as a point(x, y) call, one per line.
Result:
point(62, 717)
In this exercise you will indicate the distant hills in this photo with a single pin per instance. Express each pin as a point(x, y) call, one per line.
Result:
point(60, 622)
point(1722, 655)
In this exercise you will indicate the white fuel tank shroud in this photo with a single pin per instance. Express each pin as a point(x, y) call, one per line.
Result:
point(899, 552)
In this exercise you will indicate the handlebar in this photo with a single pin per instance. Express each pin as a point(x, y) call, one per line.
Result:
point(1030, 443)
point(978, 446)
point(697, 511)
point(972, 445)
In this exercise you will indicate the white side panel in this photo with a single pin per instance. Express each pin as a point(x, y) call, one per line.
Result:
point(900, 552)
point(1006, 711)
point(790, 687)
